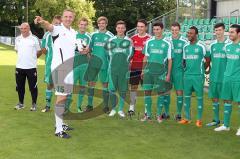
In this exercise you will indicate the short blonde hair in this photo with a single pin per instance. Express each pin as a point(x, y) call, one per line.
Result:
point(58, 17)
point(69, 10)
point(102, 18)
point(83, 19)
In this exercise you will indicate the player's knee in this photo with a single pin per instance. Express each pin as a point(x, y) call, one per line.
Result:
point(134, 87)
point(50, 86)
point(105, 85)
point(179, 92)
point(61, 99)
point(215, 100)
point(147, 93)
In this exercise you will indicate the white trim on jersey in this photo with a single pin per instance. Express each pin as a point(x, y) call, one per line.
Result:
point(145, 49)
point(203, 47)
point(184, 54)
point(131, 48)
point(170, 46)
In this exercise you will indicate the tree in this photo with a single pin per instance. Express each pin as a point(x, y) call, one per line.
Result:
point(131, 10)
point(195, 8)
point(48, 9)
point(13, 13)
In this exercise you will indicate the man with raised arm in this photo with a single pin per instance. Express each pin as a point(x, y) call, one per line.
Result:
point(64, 45)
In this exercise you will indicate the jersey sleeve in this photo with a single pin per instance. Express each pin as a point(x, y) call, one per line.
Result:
point(184, 51)
point(56, 30)
point(88, 39)
point(91, 42)
point(203, 46)
point(131, 50)
point(16, 44)
point(43, 43)
point(110, 34)
point(108, 48)
point(145, 49)
point(44, 40)
point(37, 44)
point(170, 50)
point(205, 51)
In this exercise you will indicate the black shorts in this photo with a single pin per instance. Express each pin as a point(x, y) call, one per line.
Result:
point(135, 77)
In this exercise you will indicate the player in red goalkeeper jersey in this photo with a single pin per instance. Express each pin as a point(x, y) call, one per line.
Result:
point(139, 41)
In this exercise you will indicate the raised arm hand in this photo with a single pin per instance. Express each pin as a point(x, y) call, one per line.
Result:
point(45, 24)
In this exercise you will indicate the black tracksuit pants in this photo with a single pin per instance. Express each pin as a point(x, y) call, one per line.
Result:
point(31, 76)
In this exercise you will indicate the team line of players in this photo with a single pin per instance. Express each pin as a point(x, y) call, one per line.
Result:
point(154, 62)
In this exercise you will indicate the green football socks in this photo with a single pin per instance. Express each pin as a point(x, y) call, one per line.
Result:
point(48, 97)
point(227, 114)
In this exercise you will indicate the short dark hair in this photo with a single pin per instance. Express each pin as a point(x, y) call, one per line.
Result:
point(236, 26)
point(58, 17)
point(120, 22)
point(219, 25)
point(142, 21)
point(158, 24)
point(176, 24)
point(194, 28)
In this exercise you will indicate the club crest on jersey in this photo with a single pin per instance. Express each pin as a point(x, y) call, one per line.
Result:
point(238, 50)
point(125, 44)
point(152, 45)
point(180, 44)
point(105, 39)
point(163, 45)
point(196, 50)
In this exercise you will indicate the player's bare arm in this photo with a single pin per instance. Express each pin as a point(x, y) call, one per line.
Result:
point(39, 53)
point(207, 64)
point(169, 70)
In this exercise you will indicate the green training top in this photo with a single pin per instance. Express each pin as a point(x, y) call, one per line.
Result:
point(100, 57)
point(158, 51)
point(194, 55)
point(232, 72)
point(120, 51)
point(218, 60)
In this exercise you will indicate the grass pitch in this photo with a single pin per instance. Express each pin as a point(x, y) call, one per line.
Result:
point(26, 134)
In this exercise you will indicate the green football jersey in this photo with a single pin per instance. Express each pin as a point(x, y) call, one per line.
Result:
point(232, 72)
point(218, 60)
point(158, 51)
point(177, 53)
point(44, 39)
point(194, 55)
point(81, 59)
point(120, 51)
point(97, 45)
point(47, 43)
